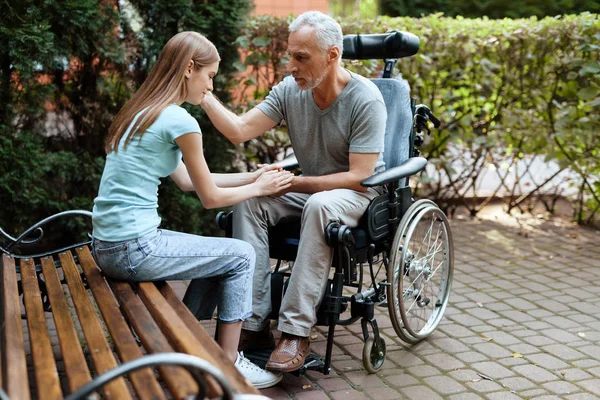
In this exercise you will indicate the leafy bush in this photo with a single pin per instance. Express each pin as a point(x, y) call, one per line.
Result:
point(507, 90)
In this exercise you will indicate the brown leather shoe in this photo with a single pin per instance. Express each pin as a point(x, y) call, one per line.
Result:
point(290, 353)
point(251, 340)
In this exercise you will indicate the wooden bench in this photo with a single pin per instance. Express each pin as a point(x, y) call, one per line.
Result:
point(100, 324)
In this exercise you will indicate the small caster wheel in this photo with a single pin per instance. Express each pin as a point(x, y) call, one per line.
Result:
point(373, 354)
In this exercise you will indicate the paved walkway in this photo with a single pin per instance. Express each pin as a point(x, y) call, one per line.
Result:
point(523, 323)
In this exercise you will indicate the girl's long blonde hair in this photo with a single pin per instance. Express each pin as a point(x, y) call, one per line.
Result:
point(165, 85)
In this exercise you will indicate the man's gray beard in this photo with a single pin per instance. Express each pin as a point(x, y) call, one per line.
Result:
point(313, 84)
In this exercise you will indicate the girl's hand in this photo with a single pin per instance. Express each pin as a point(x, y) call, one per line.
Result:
point(262, 168)
point(273, 181)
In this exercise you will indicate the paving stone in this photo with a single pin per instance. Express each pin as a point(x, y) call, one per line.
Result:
point(465, 396)
point(423, 371)
point(364, 379)
point(275, 393)
point(471, 357)
point(582, 396)
point(382, 393)
point(521, 333)
point(524, 348)
point(535, 373)
point(401, 380)
point(492, 370)
point(463, 375)
point(547, 361)
point(484, 386)
point(450, 345)
point(465, 319)
point(574, 374)
point(538, 325)
point(520, 304)
point(444, 385)
point(517, 316)
point(512, 361)
point(593, 351)
point(503, 395)
point(444, 362)
point(483, 328)
point(540, 314)
point(561, 387)
point(517, 383)
point(492, 350)
point(552, 305)
point(311, 395)
point(529, 394)
point(455, 330)
point(563, 352)
point(592, 385)
point(539, 340)
point(404, 358)
point(334, 384)
point(420, 393)
point(502, 338)
point(562, 323)
point(348, 395)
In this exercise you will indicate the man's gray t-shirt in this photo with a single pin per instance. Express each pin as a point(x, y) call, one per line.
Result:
point(323, 139)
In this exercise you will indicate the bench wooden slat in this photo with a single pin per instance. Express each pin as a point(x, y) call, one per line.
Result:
point(13, 347)
point(98, 346)
point(234, 377)
point(1, 329)
point(179, 381)
point(76, 367)
point(175, 330)
point(144, 381)
point(180, 335)
point(44, 365)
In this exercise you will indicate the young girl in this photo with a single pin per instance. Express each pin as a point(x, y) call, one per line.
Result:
point(147, 140)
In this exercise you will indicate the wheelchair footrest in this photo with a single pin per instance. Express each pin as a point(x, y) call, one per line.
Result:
point(313, 362)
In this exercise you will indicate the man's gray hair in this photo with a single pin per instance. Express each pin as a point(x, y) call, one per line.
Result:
point(328, 31)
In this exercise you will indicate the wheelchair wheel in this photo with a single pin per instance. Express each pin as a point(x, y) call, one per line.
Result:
point(420, 271)
point(373, 355)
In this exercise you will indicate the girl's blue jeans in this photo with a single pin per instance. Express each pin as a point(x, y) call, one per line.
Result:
point(220, 269)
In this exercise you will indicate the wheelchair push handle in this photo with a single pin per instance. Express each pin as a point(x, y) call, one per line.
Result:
point(391, 45)
point(422, 115)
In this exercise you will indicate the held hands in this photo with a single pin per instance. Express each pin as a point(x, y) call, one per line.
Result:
point(264, 168)
point(273, 181)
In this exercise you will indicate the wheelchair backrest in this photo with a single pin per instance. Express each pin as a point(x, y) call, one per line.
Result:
point(396, 93)
point(398, 127)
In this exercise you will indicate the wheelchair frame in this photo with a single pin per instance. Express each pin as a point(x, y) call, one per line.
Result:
point(390, 239)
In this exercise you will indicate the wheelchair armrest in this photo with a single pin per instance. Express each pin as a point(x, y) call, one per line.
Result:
point(407, 168)
point(289, 162)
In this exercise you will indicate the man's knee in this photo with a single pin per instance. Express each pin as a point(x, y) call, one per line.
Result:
point(254, 206)
point(318, 202)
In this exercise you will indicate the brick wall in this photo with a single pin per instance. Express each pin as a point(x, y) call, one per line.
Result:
point(283, 8)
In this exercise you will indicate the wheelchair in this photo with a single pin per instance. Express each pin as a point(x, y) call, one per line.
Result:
point(411, 240)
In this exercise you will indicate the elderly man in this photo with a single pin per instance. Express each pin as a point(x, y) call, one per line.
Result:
point(336, 122)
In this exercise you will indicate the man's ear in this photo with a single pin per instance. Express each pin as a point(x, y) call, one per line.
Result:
point(189, 69)
point(333, 54)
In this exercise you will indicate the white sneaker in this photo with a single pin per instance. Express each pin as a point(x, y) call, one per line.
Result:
point(259, 377)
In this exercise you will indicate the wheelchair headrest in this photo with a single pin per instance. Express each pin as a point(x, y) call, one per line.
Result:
point(380, 46)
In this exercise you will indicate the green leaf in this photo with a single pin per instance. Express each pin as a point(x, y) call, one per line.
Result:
point(588, 93)
point(261, 41)
point(590, 68)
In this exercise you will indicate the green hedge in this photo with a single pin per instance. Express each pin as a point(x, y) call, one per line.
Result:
point(505, 90)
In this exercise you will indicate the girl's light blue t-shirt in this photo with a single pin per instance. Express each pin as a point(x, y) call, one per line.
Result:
point(127, 202)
